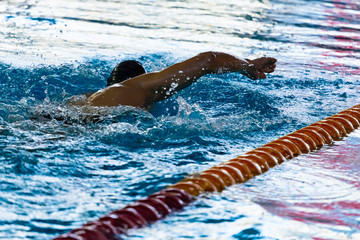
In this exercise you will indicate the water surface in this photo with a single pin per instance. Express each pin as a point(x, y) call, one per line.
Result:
point(58, 174)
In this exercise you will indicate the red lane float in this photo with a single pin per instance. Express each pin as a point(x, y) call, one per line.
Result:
point(218, 178)
point(138, 214)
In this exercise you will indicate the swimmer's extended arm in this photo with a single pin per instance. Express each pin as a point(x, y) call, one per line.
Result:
point(161, 85)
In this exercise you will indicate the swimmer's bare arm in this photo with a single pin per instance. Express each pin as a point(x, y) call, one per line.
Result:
point(143, 90)
point(163, 84)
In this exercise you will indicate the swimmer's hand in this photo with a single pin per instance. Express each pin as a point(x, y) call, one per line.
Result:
point(258, 67)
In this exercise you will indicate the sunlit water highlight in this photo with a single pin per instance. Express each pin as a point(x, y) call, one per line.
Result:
point(58, 174)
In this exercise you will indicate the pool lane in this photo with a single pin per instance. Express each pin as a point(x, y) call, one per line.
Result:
point(218, 178)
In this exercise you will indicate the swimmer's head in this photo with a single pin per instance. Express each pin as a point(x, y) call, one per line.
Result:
point(125, 70)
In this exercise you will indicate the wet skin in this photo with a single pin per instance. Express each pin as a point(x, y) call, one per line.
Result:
point(143, 90)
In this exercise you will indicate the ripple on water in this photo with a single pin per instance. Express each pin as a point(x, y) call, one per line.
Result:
point(63, 166)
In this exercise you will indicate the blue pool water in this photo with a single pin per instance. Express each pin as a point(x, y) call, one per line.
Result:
point(57, 175)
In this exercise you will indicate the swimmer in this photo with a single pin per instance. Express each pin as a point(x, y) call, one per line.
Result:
point(130, 85)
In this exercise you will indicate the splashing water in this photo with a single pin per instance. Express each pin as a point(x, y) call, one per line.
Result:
point(63, 165)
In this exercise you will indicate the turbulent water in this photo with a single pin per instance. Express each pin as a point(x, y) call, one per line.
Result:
point(62, 166)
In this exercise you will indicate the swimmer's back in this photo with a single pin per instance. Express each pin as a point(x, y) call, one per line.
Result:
point(119, 94)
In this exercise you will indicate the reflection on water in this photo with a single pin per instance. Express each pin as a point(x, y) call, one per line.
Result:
point(63, 166)
point(69, 30)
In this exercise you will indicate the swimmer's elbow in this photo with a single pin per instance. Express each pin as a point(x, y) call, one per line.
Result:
point(210, 55)
point(208, 61)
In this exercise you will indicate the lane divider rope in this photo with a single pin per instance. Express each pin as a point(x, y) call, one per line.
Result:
point(218, 178)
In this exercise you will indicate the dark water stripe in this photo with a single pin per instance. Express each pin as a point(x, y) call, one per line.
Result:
point(126, 24)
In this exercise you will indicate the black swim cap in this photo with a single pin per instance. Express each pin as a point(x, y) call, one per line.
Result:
point(125, 70)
